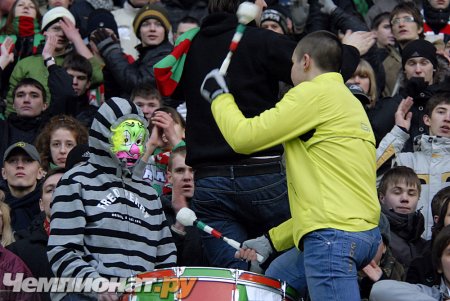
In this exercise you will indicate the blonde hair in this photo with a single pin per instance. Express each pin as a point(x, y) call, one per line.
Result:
point(366, 70)
point(7, 236)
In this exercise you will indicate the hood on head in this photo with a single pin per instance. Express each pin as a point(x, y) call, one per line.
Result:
point(110, 114)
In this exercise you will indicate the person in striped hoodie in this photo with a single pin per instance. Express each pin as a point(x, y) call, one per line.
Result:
point(105, 220)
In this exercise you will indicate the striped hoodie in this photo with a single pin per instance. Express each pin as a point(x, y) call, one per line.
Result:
point(106, 221)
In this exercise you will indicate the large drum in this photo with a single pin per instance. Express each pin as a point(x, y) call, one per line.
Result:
point(207, 284)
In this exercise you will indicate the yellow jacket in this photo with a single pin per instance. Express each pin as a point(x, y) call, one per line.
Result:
point(330, 155)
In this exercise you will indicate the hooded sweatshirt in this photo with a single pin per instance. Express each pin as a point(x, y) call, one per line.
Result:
point(106, 221)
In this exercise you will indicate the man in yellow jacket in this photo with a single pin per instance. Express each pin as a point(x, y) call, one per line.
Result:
point(331, 170)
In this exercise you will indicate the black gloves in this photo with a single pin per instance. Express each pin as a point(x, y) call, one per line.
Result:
point(104, 40)
point(416, 87)
point(213, 85)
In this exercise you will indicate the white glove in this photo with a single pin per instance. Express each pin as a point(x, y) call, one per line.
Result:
point(328, 6)
point(260, 244)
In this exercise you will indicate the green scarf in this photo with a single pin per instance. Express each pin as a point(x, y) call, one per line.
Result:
point(168, 71)
point(24, 27)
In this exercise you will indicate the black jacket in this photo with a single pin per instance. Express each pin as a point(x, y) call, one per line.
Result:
point(140, 72)
point(437, 20)
point(64, 100)
point(31, 247)
point(262, 59)
point(406, 230)
point(190, 246)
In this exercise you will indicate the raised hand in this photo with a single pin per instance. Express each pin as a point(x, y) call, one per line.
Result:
point(51, 41)
point(403, 115)
point(6, 54)
point(213, 85)
point(327, 6)
point(164, 121)
point(361, 40)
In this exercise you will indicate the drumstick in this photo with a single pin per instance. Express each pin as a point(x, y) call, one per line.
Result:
point(187, 217)
point(246, 12)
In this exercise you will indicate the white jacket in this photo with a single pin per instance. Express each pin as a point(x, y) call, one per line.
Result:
point(124, 18)
point(430, 161)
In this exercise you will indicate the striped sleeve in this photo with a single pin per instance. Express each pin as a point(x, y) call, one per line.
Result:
point(66, 241)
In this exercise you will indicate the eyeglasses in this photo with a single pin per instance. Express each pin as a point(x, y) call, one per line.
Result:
point(407, 19)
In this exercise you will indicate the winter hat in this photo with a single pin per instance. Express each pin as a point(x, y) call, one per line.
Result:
point(275, 16)
point(54, 15)
point(419, 48)
point(151, 11)
point(101, 18)
point(359, 93)
point(27, 148)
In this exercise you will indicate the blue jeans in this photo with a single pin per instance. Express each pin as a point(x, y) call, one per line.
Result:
point(241, 208)
point(328, 266)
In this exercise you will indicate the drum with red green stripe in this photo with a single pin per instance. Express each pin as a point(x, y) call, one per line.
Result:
point(204, 284)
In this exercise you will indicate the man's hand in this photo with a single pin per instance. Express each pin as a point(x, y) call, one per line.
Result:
point(403, 115)
point(103, 39)
point(373, 271)
point(361, 40)
point(260, 244)
point(213, 85)
point(164, 121)
point(70, 30)
point(327, 6)
point(6, 56)
point(51, 40)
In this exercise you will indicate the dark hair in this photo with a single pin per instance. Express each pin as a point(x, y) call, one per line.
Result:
point(60, 121)
point(379, 19)
point(181, 150)
point(78, 63)
point(439, 245)
point(146, 91)
point(190, 20)
point(50, 173)
point(175, 115)
point(8, 28)
point(441, 219)
point(328, 57)
point(396, 175)
point(226, 6)
point(27, 81)
point(409, 8)
point(436, 100)
point(438, 200)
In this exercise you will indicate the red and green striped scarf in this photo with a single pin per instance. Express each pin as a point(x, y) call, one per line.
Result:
point(168, 71)
point(25, 26)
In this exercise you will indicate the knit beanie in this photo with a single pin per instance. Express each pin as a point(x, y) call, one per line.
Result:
point(275, 16)
point(101, 18)
point(419, 48)
point(151, 11)
point(54, 15)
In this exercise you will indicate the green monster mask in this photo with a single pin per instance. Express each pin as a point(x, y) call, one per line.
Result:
point(128, 141)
